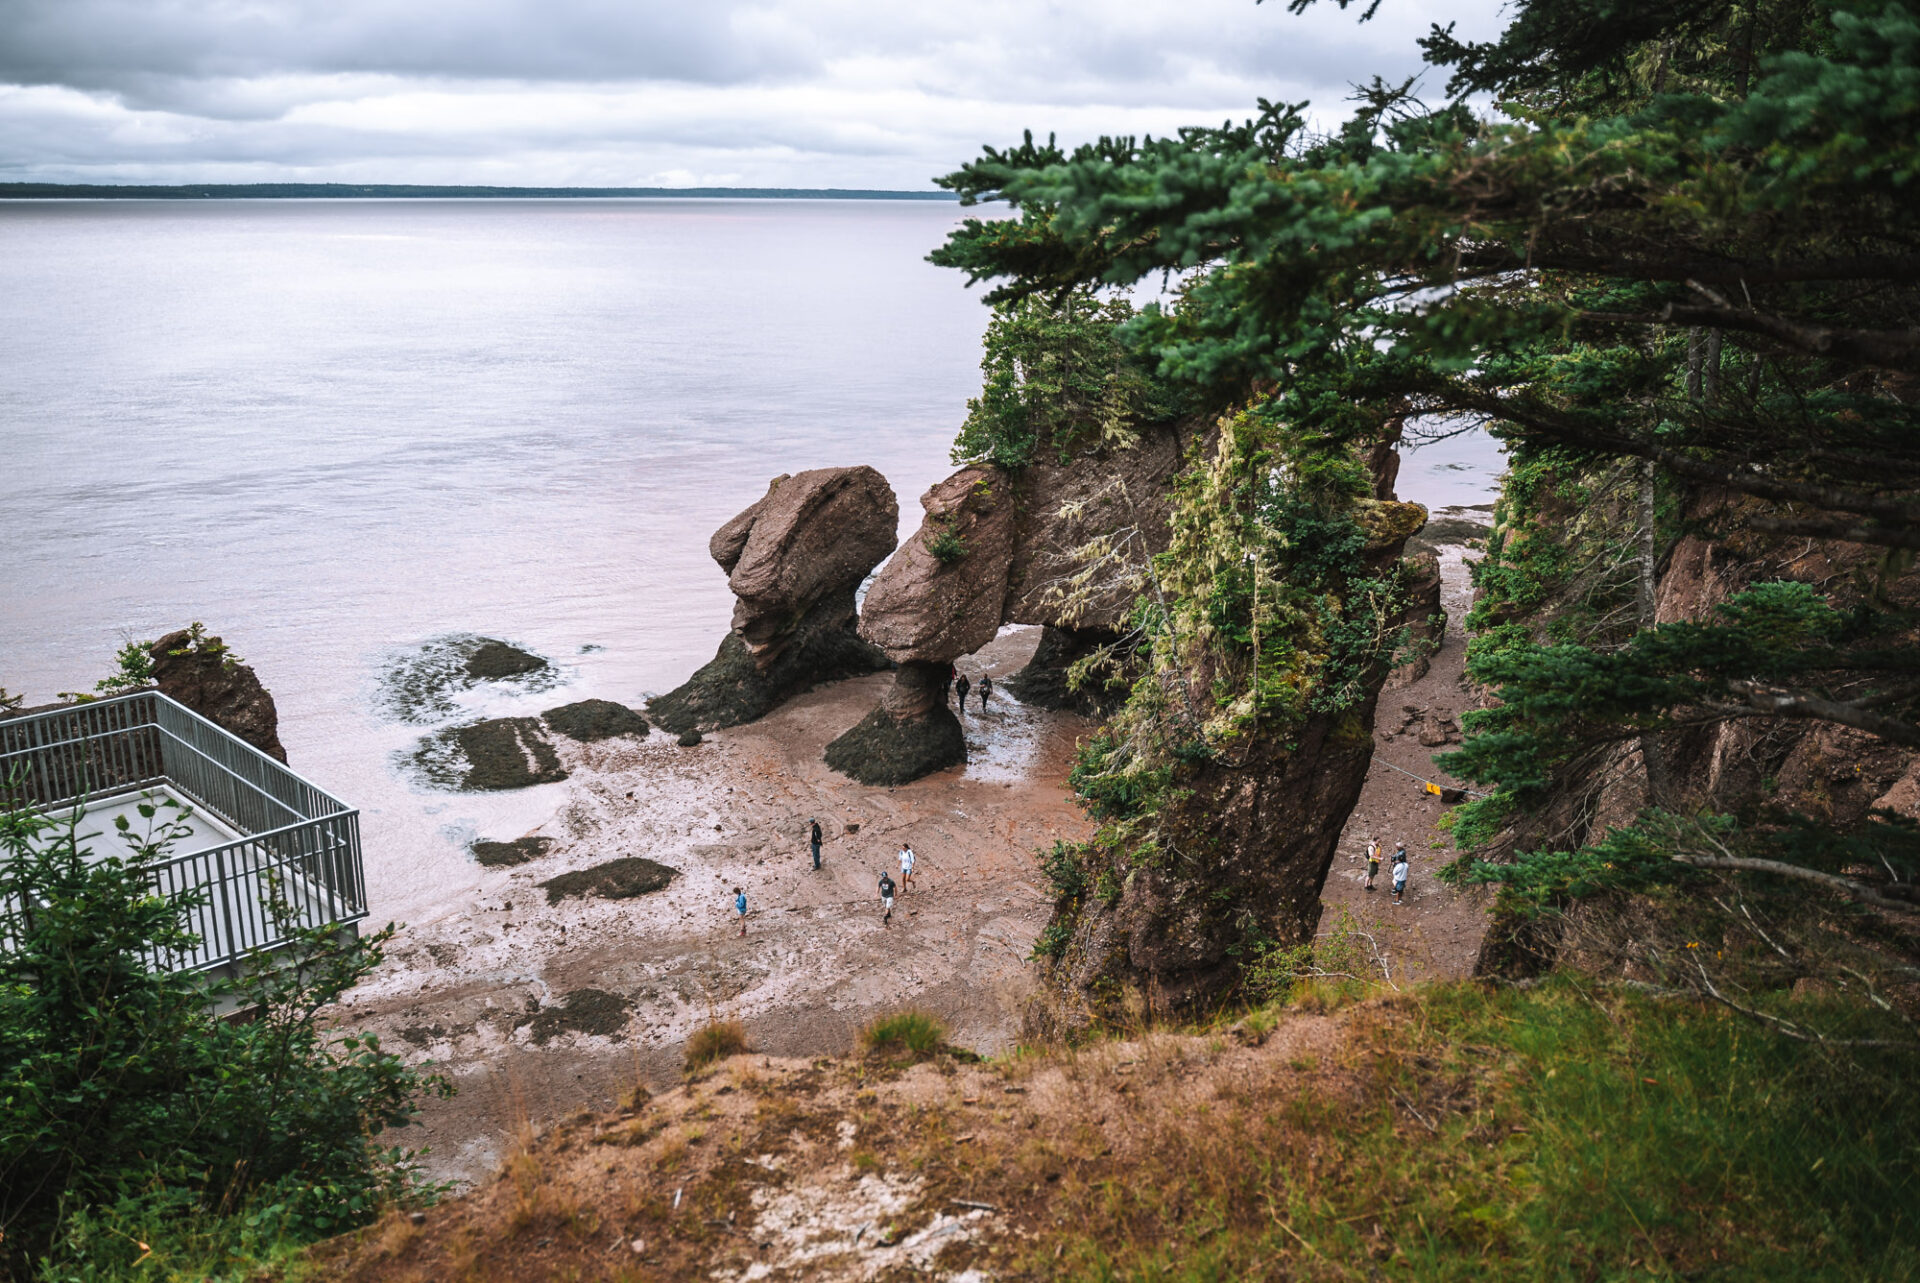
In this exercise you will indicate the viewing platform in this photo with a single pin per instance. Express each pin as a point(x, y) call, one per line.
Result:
point(254, 830)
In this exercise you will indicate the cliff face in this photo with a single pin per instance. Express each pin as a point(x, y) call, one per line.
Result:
point(1241, 841)
point(1754, 767)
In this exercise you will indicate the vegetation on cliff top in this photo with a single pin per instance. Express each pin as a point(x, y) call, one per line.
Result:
point(135, 1115)
point(1676, 260)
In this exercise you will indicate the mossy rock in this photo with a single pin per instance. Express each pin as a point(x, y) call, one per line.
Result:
point(884, 751)
point(620, 879)
point(505, 855)
point(493, 660)
point(505, 753)
point(732, 689)
point(587, 1011)
point(594, 719)
point(1043, 682)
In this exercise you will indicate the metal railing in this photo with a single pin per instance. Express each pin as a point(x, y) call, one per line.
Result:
point(296, 866)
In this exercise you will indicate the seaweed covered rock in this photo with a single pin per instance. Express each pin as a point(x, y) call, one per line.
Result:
point(507, 855)
point(588, 720)
point(493, 660)
point(201, 673)
point(498, 753)
point(736, 687)
point(620, 879)
point(794, 560)
point(913, 732)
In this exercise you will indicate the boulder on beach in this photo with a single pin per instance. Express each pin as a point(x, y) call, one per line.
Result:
point(589, 720)
point(794, 560)
point(620, 879)
point(201, 673)
point(498, 753)
point(493, 660)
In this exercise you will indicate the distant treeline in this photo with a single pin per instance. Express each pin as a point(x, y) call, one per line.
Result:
point(349, 191)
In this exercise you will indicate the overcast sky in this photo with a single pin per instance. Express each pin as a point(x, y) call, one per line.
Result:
point(789, 93)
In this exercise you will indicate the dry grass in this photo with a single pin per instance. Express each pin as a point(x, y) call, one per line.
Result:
point(1459, 1134)
point(714, 1042)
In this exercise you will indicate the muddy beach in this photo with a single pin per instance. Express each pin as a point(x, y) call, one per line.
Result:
point(536, 1009)
point(538, 1001)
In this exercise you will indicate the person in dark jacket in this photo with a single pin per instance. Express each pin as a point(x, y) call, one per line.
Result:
point(886, 901)
point(815, 839)
point(986, 689)
point(961, 688)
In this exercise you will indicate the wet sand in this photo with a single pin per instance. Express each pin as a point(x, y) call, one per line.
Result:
point(1435, 934)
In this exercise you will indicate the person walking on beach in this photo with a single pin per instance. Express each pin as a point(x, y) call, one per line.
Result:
point(961, 688)
point(1373, 861)
point(815, 837)
point(1399, 872)
point(906, 866)
point(886, 900)
point(986, 689)
point(740, 907)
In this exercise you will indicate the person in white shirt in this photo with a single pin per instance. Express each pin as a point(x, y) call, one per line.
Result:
point(906, 866)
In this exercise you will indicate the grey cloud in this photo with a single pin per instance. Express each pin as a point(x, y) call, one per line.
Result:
point(146, 51)
point(779, 92)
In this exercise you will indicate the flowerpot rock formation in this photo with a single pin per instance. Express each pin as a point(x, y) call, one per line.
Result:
point(1061, 545)
point(794, 561)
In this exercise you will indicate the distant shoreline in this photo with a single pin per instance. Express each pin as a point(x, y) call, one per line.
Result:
point(410, 191)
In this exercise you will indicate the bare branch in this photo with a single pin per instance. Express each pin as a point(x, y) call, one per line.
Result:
point(1846, 886)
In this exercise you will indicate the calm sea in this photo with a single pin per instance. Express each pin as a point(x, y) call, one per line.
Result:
point(338, 430)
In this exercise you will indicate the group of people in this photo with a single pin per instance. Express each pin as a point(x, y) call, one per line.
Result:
point(958, 680)
point(1399, 867)
point(888, 887)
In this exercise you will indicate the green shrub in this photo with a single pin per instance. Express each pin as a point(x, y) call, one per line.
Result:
point(947, 547)
point(714, 1042)
point(130, 1102)
point(913, 1033)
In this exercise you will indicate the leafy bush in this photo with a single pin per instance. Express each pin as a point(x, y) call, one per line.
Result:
point(134, 669)
point(714, 1042)
point(1058, 372)
point(1062, 869)
point(905, 1032)
point(129, 1101)
point(947, 547)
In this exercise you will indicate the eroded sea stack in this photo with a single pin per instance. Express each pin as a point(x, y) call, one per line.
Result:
point(1061, 545)
point(1243, 833)
point(794, 561)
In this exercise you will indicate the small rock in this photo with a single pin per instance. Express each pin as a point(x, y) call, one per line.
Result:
point(688, 739)
point(418, 1218)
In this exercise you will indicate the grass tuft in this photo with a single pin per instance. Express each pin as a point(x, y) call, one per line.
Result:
point(714, 1042)
point(904, 1033)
